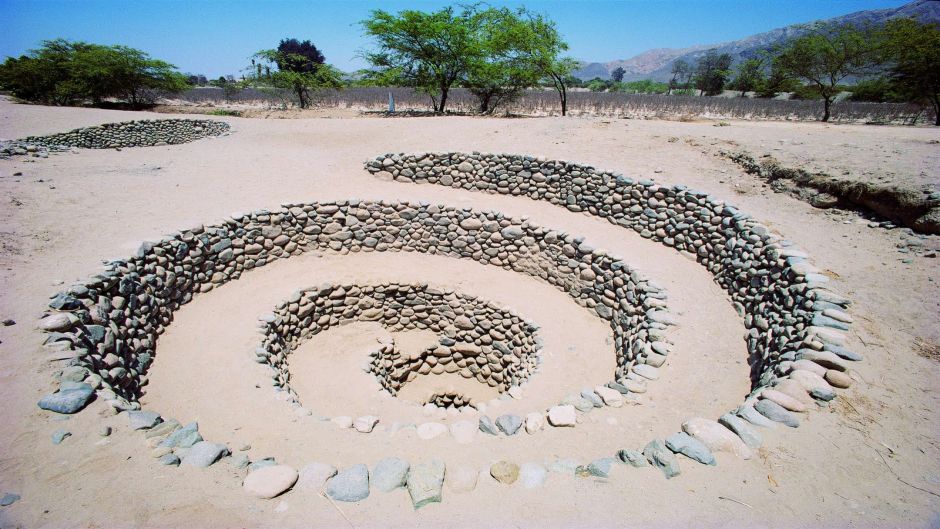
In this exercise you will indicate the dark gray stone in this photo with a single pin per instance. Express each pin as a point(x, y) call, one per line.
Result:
point(742, 429)
point(9, 499)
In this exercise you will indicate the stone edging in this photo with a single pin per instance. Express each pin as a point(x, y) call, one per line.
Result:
point(141, 133)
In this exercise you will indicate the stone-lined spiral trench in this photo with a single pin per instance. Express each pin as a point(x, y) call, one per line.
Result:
point(477, 339)
point(797, 352)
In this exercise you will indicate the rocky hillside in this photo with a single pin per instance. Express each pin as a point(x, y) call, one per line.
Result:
point(657, 63)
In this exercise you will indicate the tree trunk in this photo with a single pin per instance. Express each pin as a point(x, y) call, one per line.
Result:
point(827, 102)
point(936, 109)
point(444, 90)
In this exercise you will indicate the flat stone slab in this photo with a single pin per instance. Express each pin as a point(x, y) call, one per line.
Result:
point(270, 481)
point(68, 401)
point(204, 454)
point(425, 482)
point(564, 415)
point(143, 420)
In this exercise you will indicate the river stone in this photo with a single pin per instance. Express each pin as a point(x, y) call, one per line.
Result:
point(389, 474)
point(563, 415)
point(716, 437)
point(505, 472)
point(534, 422)
point(646, 371)
point(315, 475)
point(838, 379)
point(163, 429)
point(742, 429)
point(632, 458)
point(425, 481)
point(785, 401)
point(611, 397)
point(662, 458)
point(185, 437)
point(685, 444)
point(509, 424)
point(592, 397)
point(350, 484)
point(57, 322)
point(776, 413)
point(532, 475)
point(68, 401)
point(751, 415)
point(143, 420)
point(262, 463)
point(269, 482)
point(465, 167)
point(462, 478)
point(204, 454)
point(487, 426)
point(9, 499)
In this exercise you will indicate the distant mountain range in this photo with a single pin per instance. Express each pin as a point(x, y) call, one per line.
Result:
point(656, 64)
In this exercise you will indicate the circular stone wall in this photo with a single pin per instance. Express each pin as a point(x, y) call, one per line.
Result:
point(788, 311)
point(112, 321)
point(143, 133)
point(477, 339)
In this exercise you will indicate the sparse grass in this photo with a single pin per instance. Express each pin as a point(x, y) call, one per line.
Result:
point(224, 112)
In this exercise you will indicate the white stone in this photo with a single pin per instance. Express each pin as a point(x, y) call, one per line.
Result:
point(534, 422)
point(611, 397)
point(366, 423)
point(268, 482)
point(564, 415)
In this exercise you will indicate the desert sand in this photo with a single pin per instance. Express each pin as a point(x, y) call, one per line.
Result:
point(871, 459)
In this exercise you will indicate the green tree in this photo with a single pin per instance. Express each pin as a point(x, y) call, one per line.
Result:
point(61, 72)
point(427, 51)
point(711, 72)
point(750, 76)
point(913, 52)
point(499, 70)
point(617, 75)
point(680, 74)
point(544, 55)
point(301, 73)
point(825, 57)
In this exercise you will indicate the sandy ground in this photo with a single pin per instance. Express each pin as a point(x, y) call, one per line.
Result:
point(868, 460)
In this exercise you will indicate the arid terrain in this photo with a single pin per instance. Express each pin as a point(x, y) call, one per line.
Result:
point(871, 458)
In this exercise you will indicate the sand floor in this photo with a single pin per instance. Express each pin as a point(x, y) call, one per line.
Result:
point(843, 467)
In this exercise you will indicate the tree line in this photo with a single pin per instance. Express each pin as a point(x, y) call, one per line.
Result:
point(497, 54)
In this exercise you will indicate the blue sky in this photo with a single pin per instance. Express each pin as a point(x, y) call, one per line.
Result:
point(216, 37)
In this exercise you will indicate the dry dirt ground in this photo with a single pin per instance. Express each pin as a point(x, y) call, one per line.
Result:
point(870, 459)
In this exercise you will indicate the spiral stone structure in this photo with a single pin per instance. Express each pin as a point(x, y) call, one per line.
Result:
point(110, 324)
